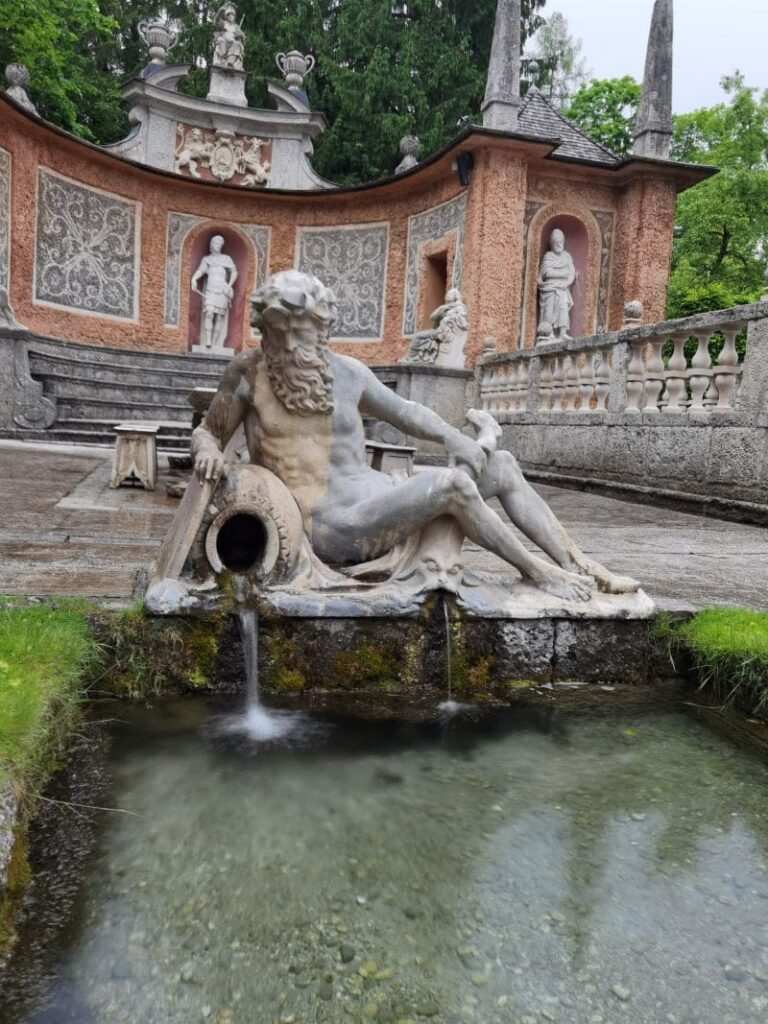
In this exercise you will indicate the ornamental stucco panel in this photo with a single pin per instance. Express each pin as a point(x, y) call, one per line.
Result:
point(86, 248)
point(605, 221)
point(178, 227)
point(353, 262)
point(5, 219)
point(431, 226)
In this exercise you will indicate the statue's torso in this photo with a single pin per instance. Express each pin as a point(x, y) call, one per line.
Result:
point(319, 457)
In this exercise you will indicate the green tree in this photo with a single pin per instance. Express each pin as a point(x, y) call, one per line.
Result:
point(721, 234)
point(562, 68)
point(385, 68)
point(606, 110)
point(66, 45)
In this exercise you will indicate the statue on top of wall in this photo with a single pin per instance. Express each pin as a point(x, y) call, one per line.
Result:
point(220, 275)
point(443, 344)
point(229, 41)
point(556, 276)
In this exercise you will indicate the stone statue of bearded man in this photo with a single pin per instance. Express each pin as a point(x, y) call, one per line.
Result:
point(556, 276)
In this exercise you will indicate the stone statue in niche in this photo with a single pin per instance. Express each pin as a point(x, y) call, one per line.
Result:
point(343, 538)
point(220, 274)
point(443, 344)
point(556, 276)
point(229, 41)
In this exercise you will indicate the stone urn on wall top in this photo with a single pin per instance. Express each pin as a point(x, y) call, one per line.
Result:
point(160, 36)
point(295, 66)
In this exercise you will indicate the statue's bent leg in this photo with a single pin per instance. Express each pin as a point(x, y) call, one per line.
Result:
point(504, 479)
point(370, 527)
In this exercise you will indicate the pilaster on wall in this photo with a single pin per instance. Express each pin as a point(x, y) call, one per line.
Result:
point(494, 250)
point(643, 249)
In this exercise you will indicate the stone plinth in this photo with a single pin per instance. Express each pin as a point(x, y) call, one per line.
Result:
point(135, 454)
point(227, 86)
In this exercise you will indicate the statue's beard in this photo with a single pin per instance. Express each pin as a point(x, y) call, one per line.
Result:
point(302, 380)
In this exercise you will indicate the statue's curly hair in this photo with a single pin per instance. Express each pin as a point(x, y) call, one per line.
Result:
point(293, 293)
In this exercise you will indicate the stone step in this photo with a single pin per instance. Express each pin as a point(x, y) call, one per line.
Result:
point(106, 438)
point(116, 393)
point(55, 370)
point(93, 355)
point(95, 407)
point(175, 427)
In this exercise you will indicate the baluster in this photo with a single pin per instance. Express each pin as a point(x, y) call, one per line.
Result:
point(699, 373)
point(603, 381)
point(727, 369)
point(545, 385)
point(654, 376)
point(523, 379)
point(558, 384)
point(572, 382)
point(676, 375)
point(587, 382)
point(635, 378)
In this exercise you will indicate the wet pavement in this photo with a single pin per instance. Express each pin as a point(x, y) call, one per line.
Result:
point(63, 531)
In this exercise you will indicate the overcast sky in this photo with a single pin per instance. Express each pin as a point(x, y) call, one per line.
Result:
point(712, 39)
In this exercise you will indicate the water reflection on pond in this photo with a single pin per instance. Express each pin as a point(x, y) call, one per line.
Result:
point(587, 869)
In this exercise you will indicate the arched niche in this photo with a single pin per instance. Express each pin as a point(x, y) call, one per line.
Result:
point(583, 242)
point(577, 244)
point(237, 248)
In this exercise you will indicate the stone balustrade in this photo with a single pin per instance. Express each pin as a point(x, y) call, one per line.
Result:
point(656, 369)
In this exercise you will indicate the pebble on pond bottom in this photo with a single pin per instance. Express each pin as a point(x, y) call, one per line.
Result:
point(582, 871)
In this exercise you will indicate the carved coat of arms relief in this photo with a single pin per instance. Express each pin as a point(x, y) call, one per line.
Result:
point(223, 154)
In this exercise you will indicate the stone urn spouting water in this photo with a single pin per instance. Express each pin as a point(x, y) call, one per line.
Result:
point(161, 36)
point(295, 66)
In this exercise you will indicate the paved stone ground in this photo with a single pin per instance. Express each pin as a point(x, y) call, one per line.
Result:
point(62, 531)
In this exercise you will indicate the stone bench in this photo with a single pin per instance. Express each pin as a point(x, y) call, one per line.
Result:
point(135, 456)
point(390, 458)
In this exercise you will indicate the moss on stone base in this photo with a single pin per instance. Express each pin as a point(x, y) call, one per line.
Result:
point(147, 656)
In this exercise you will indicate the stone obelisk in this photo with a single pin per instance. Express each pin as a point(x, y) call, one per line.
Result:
point(502, 91)
point(653, 132)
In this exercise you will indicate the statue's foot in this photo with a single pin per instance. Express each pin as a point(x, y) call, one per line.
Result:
point(608, 582)
point(565, 585)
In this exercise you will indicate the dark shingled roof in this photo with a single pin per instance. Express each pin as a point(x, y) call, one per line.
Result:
point(539, 118)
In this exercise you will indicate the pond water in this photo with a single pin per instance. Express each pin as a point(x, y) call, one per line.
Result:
point(520, 869)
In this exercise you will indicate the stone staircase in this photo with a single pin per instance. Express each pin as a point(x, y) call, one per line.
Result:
point(94, 388)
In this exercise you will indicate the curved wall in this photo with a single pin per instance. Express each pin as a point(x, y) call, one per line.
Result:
point(101, 250)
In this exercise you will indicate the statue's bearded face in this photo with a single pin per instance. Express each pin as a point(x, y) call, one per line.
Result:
point(296, 352)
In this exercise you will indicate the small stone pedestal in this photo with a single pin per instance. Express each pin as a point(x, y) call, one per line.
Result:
point(390, 458)
point(227, 86)
point(202, 350)
point(135, 455)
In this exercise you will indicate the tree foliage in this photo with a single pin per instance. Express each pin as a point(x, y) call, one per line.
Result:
point(562, 69)
point(606, 110)
point(385, 68)
point(721, 237)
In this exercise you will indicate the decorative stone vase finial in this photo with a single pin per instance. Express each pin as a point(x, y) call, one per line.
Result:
point(532, 74)
point(409, 151)
point(17, 79)
point(295, 66)
point(489, 347)
point(160, 35)
point(633, 313)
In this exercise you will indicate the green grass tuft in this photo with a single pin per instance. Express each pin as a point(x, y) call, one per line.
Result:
point(729, 648)
point(45, 653)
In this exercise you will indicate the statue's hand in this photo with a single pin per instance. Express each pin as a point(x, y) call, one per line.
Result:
point(469, 452)
point(209, 466)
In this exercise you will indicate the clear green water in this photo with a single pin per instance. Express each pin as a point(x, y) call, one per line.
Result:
point(530, 869)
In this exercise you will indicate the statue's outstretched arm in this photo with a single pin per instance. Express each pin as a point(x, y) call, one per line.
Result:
point(224, 416)
point(415, 419)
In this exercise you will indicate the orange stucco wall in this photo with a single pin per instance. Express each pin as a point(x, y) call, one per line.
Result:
point(497, 279)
